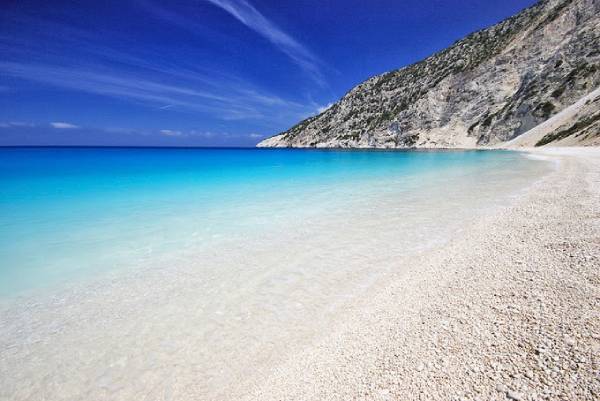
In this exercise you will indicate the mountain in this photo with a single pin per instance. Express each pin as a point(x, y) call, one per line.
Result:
point(486, 89)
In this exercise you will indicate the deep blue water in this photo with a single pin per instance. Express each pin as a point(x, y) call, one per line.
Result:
point(73, 212)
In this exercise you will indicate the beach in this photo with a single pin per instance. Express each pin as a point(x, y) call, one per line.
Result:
point(239, 200)
point(505, 306)
point(507, 310)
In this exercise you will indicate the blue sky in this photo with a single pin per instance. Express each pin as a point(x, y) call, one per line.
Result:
point(205, 72)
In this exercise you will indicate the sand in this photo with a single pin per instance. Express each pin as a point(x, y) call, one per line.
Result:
point(508, 310)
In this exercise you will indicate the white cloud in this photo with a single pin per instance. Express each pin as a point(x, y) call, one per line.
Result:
point(323, 108)
point(150, 76)
point(235, 100)
point(16, 124)
point(253, 19)
point(205, 134)
point(63, 125)
point(255, 136)
point(169, 132)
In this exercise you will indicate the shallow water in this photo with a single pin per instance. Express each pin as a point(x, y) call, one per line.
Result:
point(174, 273)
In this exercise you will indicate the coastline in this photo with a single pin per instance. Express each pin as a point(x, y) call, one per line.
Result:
point(507, 310)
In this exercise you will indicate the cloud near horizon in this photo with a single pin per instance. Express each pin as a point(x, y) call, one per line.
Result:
point(63, 125)
point(170, 132)
point(16, 124)
point(22, 133)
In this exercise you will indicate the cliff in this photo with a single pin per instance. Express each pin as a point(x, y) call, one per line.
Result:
point(486, 89)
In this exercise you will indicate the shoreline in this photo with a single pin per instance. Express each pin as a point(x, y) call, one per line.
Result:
point(505, 311)
point(80, 283)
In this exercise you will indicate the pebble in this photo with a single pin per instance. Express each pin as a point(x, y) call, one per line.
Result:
point(513, 395)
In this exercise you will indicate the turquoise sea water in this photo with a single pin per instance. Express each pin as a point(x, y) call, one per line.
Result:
point(73, 213)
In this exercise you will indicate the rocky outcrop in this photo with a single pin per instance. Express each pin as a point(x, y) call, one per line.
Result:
point(487, 88)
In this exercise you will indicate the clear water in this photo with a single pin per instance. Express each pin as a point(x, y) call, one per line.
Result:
point(182, 273)
point(69, 213)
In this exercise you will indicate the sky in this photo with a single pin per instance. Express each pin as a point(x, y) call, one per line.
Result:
point(205, 72)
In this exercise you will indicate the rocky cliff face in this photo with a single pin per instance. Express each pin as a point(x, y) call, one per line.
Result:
point(487, 88)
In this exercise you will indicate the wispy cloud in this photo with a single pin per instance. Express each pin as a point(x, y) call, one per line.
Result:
point(227, 101)
point(63, 125)
point(245, 12)
point(321, 109)
point(17, 133)
point(79, 59)
point(10, 124)
point(170, 132)
point(203, 135)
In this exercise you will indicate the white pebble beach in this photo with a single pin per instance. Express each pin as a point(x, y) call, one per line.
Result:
point(508, 310)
